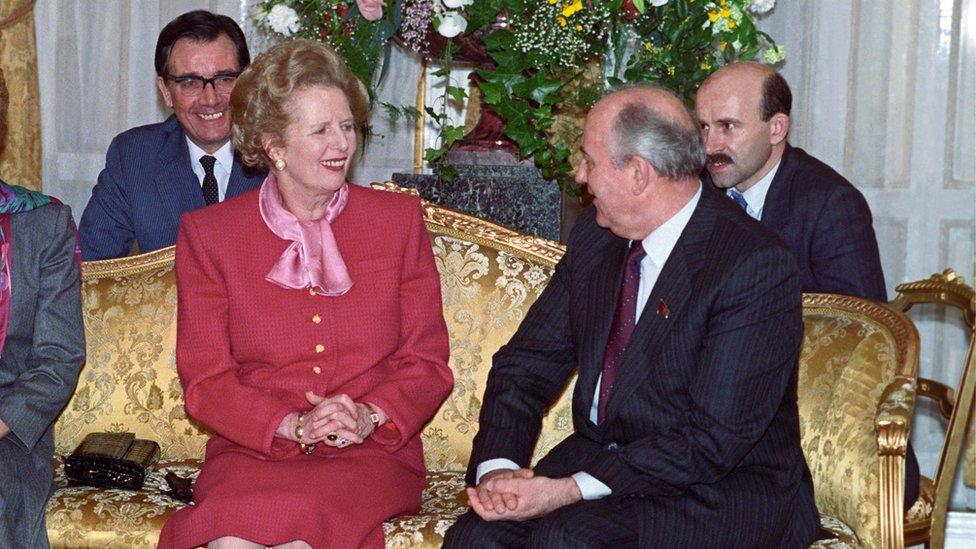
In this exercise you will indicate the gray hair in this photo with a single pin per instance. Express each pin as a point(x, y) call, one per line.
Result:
point(675, 150)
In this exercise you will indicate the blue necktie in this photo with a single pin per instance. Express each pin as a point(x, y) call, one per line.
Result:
point(737, 197)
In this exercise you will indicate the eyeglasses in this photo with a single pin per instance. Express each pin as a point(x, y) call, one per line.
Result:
point(222, 82)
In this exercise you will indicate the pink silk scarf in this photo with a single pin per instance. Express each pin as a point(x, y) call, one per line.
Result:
point(313, 259)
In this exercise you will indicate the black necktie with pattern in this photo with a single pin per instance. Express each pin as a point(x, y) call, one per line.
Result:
point(210, 193)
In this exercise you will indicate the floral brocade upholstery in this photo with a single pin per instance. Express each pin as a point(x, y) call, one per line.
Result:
point(489, 278)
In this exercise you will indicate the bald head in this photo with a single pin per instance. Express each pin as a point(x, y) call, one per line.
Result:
point(761, 82)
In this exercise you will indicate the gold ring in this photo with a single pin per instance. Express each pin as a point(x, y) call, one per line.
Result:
point(332, 437)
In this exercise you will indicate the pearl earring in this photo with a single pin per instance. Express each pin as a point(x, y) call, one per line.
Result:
point(279, 164)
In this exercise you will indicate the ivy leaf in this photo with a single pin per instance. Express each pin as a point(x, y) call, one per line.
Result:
point(452, 134)
point(434, 115)
point(491, 92)
point(457, 93)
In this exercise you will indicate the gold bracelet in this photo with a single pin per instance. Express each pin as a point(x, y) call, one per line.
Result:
point(298, 427)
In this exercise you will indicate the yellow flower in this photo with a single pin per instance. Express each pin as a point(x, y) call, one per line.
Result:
point(731, 24)
point(671, 70)
point(726, 12)
point(647, 46)
point(578, 27)
point(552, 2)
point(570, 9)
point(722, 45)
point(561, 20)
point(713, 16)
point(705, 66)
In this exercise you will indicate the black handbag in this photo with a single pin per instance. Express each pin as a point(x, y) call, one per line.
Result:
point(111, 460)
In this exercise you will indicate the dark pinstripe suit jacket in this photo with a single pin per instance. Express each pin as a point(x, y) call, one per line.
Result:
point(146, 185)
point(702, 425)
point(42, 356)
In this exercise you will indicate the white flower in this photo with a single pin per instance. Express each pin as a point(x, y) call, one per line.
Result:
point(760, 7)
point(659, 3)
point(774, 55)
point(455, 4)
point(451, 24)
point(283, 20)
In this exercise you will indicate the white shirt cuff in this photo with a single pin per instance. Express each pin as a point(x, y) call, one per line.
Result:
point(486, 467)
point(589, 486)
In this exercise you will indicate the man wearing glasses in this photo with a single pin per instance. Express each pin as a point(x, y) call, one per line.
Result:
point(155, 173)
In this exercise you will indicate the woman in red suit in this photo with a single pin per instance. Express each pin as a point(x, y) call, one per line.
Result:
point(310, 336)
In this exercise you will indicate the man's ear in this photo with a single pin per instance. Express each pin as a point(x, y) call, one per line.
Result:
point(640, 172)
point(161, 84)
point(779, 128)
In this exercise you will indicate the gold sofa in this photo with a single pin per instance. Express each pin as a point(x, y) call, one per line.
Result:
point(856, 391)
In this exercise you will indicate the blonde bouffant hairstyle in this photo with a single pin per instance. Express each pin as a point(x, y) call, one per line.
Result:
point(259, 103)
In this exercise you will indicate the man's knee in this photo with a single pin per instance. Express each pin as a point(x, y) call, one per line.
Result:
point(559, 530)
point(471, 531)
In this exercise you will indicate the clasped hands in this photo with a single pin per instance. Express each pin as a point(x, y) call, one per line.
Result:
point(338, 416)
point(507, 494)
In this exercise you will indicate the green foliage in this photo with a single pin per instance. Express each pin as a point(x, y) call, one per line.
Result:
point(552, 58)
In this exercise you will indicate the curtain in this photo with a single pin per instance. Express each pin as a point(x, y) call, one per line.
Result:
point(20, 161)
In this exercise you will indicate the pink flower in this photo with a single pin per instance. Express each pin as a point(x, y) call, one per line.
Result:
point(372, 10)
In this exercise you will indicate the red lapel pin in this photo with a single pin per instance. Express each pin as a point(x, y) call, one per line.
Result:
point(662, 308)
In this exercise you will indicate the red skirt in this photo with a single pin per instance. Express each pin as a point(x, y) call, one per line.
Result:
point(326, 501)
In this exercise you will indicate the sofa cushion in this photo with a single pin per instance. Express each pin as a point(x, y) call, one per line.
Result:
point(82, 516)
point(487, 288)
point(129, 382)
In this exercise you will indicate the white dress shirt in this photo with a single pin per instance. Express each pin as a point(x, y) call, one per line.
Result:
point(222, 167)
point(755, 196)
point(658, 246)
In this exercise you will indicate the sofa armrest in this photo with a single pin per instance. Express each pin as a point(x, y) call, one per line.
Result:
point(893, 425)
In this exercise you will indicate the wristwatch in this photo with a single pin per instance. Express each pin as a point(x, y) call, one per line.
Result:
point(374, 416)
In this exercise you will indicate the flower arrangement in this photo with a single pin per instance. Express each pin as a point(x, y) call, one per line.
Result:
point(549, 59)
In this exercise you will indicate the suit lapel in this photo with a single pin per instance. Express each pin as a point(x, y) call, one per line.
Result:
point(177, 185)
point(776, 207)
point(240, 179)
point(674, 288)
point(604, 288)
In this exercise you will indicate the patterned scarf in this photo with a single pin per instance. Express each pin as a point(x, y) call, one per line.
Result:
point(13, 200)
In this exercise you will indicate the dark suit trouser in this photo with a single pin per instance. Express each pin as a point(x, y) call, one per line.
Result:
point(598, 523)
point(25, 483)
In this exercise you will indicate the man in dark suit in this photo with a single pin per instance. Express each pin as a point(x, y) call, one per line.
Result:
point(744, 113)
point(155, 173)
point(683, 319)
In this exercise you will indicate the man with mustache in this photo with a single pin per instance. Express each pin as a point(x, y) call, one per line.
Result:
point(744, 113)
point(155, 173)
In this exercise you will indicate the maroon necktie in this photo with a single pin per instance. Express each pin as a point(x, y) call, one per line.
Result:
point(623, 325)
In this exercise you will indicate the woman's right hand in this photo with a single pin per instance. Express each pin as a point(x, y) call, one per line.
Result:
point(331, 415)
